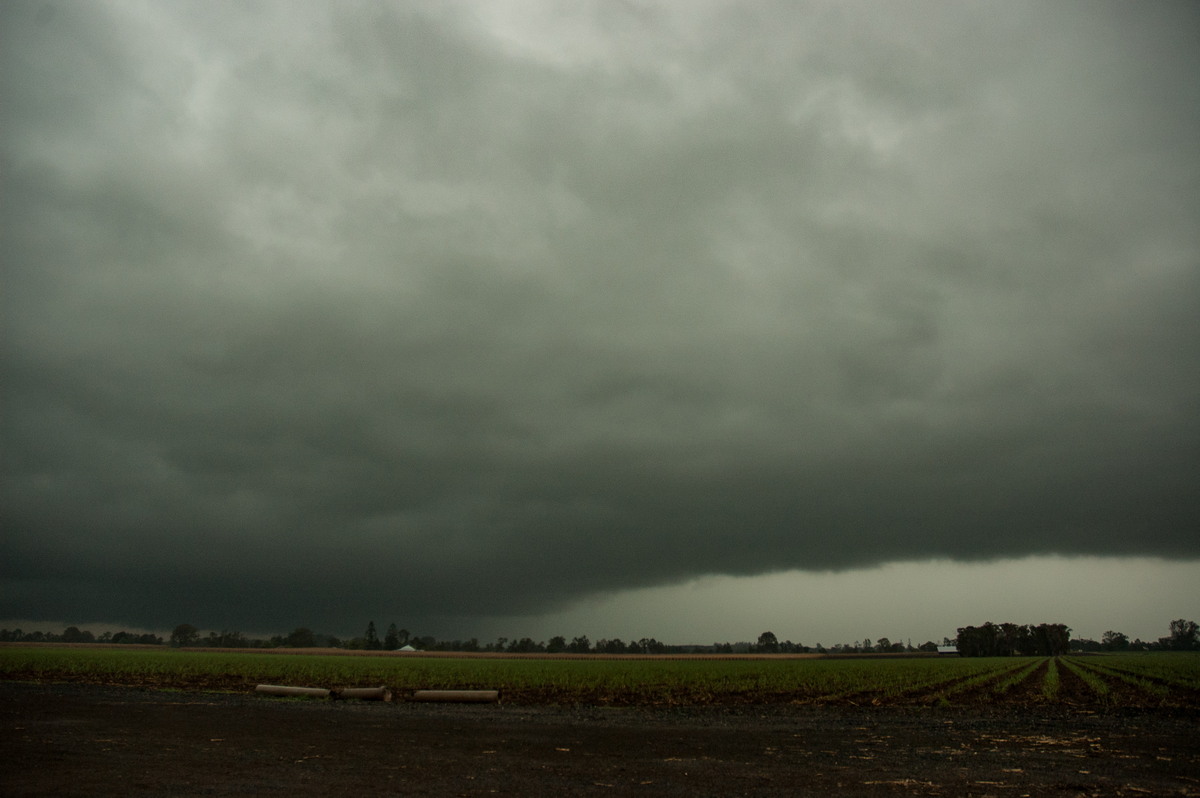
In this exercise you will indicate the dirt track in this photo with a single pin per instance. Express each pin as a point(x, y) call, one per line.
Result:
point(82, 740)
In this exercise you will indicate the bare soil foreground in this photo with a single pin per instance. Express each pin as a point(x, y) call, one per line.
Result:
point(90, 740)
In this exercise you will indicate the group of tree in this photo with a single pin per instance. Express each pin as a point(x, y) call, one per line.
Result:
point(995, 640)
point(73, 634)
point(768, 643)
point(1184, 636)
point(1010, 639)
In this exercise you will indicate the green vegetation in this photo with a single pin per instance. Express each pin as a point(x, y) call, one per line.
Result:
point(1050, 681)
point(1090, 677)
point(1149, 679)
point(1015, 677)
point(1177, 671)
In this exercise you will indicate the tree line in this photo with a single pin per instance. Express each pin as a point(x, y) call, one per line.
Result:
point(73, 634)
point(1053, 639)
point(1010, 639)
point(1184, 635)
point(989, 639)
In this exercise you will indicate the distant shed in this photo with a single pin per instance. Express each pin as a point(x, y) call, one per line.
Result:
point(948, 650)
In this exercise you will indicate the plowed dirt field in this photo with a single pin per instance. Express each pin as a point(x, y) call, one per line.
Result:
point(75, 739)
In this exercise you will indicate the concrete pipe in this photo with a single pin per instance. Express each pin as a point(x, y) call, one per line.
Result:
point(275, 689)
point(364, 693)
point(460, 696)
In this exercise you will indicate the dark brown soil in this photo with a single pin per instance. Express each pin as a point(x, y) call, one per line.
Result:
point(66, 740)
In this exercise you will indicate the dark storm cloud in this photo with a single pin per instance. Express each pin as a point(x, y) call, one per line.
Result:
point(434, 311)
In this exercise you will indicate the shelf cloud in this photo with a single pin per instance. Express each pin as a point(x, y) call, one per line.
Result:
point(463, 310)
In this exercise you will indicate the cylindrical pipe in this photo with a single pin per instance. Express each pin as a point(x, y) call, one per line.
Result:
point(462, 696)
point(364, 693)
point(275, 689)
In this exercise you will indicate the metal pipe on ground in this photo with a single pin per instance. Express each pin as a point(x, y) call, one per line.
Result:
point(277, 689)
point(459, 696)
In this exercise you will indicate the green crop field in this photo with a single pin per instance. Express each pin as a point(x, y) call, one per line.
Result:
point(1117, 680)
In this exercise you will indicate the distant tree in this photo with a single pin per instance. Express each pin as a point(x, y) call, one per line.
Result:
point(225, 639)
point(1185, 636)
point(978, 641)
point(652, 646)
point(557, 645)
point(1009, 639)
point(580, 645)
point(768, 643)
point(1114, 641)
point(391, 640)
point(614, 646)
point(372, 637)
point(928, 646)
point(184, 635)
point(1053, 639)
point(233, 639)
point(991, 640)
point(72, 634)
point(525, 645)
point(300, 638)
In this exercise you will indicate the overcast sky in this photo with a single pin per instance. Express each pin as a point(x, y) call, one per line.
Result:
point(486, 317)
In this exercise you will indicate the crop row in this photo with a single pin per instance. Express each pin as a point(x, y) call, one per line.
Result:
point(1181, 670)
point(1137, 684)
